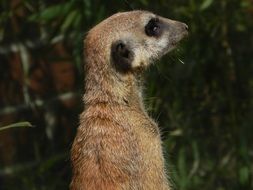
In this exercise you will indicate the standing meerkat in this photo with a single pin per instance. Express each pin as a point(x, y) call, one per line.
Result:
point(118, 146)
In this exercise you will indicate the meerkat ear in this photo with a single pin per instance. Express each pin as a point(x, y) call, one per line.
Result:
point(122, 56)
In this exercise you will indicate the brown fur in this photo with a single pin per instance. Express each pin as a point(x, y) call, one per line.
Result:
point(117, 146)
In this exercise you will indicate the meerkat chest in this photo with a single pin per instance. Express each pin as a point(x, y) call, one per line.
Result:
point(146, 132)
point(149, 140)
point(143, 123)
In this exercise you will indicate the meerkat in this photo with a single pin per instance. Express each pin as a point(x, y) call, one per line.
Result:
point(118, 146)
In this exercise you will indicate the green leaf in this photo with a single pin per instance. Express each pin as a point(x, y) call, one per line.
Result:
point(52, 12)
point(16, 125)
point(205, 4)
point(144, 2)
point(47, 14)
point(182, 169)
point(244, 175)
point(245, 4)
point(69, 20)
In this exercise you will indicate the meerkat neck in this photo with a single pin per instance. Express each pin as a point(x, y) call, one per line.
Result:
point(102, 85)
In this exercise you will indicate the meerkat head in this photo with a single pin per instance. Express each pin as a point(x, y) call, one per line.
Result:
point(145, 40)
point(132, 40)
point(124, 44)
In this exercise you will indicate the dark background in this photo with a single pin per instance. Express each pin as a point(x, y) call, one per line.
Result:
point(204, 106)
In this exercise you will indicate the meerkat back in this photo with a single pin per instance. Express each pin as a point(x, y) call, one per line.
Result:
point(118, 146)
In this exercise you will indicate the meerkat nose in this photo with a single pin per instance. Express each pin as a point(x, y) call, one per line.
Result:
point(185, 26)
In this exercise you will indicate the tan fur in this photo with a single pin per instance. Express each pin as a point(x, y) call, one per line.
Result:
point(118, 146)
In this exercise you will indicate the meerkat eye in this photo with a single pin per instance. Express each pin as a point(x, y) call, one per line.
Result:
point(153, 28)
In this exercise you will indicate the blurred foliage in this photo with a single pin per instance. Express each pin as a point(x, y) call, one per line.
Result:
point(204, 106)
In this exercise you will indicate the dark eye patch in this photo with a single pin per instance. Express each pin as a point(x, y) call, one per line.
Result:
point(154, 27)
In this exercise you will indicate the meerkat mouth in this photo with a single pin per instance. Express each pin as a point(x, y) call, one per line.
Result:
point(177, 39)
point(173, 43)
